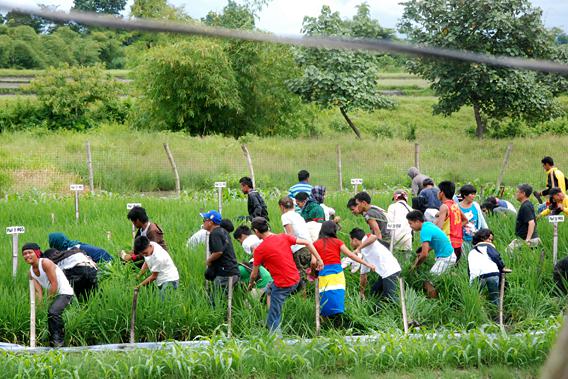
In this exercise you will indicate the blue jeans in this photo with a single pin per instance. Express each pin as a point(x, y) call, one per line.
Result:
point(277, 297)
point(492, 284)
point(166, 287)
point(96, 253)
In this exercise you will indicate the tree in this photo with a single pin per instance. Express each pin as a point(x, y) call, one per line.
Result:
point(505, 27)
point(343, 79)
point(100, 6)
point(14, 18)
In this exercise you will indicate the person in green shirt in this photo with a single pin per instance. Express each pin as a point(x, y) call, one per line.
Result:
point(310, 209)
point(262, 282)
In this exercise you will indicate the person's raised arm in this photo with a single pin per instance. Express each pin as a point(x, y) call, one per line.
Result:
point(371, 239)
point(50, 270)
point(422, 256)
point(356, 258)
point(442, 215)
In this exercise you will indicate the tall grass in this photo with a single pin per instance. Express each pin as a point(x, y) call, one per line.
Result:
point(186, 314)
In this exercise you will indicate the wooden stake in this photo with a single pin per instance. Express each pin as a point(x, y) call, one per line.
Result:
point(77, 206)
point(174, 167)
point(90, 167)
point(505, 162)
point(206, 258)
point(403, 305)
point(15, 239)
point(133, 318)
point(417, 156)
point(501, 298)
point(339, 167)
point(555, 244)
point(53, 218)
point(248, 158)
point(230, 308)
point(317, 297)
point(32, 315)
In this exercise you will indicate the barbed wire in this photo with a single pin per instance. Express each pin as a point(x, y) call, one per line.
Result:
point(369, 45)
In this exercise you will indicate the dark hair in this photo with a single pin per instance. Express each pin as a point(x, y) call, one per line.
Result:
point(303, 175)
point(481, 235)
point(447, 188)
point(467, 190)
point(427, 182)
point(138, 213)
point(302, 196)
point(328, 230)
point(246, 181)
point(242, 229)
point(488, 206)
point(415, 216)
point(140, 244)
point(548, 161)
point(260, 224)
point(286, 202)
point(492, 200)
point(526, 189)
point(30, 246)
point(357, 234)
point(363, 196)
point(554, 191)
point(351, 203)
point(227, 225)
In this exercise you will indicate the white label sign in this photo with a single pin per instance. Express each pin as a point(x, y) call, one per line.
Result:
point(15, 230)
point(356, 181)
point(77, 187)
point(129, 206)
point(393, 226)
point(220, 184)
point(556, 219)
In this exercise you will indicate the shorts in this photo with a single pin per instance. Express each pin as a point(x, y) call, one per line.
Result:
point(443, 264)
point(518, 243)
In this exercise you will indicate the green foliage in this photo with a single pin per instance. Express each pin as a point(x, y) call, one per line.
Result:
point(100, 6)
point(510, 28)
point(78, 98)
point(343, 79)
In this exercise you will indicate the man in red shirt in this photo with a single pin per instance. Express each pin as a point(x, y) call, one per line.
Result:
point(275, 253)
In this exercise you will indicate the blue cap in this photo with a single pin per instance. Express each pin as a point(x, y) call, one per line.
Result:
point(213, 216)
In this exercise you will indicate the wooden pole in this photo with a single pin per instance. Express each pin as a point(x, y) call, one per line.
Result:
point(90, 167)
point(206, 258)
point(555, 244)
point(556, 367)
point(248, 158)
point(417, 156)
point(133, 318)
point(339, 167)
point(403, 305)
point(220, 199)
point(317, 299)
point(77, 206)
point(230, 308)
point(32, 315)
point(501, 298)
point(505, 162)
point(174, 167)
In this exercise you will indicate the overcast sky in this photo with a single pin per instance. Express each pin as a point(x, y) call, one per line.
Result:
point(285, 16)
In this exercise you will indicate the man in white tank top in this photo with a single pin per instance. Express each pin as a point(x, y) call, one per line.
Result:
point(46, 275)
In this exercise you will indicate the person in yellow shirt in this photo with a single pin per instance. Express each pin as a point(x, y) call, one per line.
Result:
point(558, 203)
point(555, 177)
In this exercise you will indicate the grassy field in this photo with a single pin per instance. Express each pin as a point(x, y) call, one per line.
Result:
point(530, 302)
point(128, 160)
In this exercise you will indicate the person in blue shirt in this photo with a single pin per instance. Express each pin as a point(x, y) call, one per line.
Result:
point(432, 238)
point(303, 185)
point(474, 215)
point(60, 242)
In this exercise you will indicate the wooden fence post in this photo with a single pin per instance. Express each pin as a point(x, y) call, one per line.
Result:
point(90, 167)
point(339, 167)
point(246, 152)
point(505, 162)
point(417, 156)
point(174, 167)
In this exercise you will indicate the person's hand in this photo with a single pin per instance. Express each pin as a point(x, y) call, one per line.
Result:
point(137, 287)
point(372, 267)
point(126, 257)
point(319, 265)
point(507, 271)
point(250, 286)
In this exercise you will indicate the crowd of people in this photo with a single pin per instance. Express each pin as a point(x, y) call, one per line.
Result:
point(450, 225)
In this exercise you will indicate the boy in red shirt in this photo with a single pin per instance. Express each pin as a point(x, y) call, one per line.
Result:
point(275, 254)
point(451, 219)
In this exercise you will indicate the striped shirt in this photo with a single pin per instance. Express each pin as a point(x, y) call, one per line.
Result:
point(300, 187)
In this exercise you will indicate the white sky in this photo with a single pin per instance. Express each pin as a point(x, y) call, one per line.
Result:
point(285, 16)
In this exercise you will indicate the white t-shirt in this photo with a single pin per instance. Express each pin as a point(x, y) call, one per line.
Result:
point(381, 257)
point(250, 243)
point(397, 214)
point(74, 260)
point(197, 238)
point(298, 225)
point(480, 263)
point(161, 262)
point(327, 211)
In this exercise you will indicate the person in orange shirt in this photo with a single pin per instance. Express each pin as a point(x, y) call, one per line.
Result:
point(451, 219)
